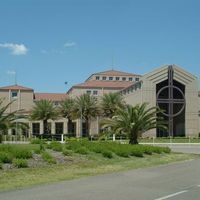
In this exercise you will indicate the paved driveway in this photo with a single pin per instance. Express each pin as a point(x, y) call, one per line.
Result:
point(173, 181)
point(183, 148)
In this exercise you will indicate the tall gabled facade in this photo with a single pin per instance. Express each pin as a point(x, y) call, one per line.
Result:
point(175, 91)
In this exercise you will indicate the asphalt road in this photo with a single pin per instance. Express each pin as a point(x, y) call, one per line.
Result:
point(174, 181)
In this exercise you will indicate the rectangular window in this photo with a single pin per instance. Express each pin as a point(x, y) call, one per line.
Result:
point(130, 79)
point(72, 128)
point(49, 127)
point(137, 79)
point(117, 78)
point(97, 77)
point(59, 127)
point(123, 78)
point(104, 78)
point(88, 91)
point(36, 128)
point(14, 94)
point(56, 103)
point(110, 78)
point(25, 129)
point(84, 130)
point(95, 92)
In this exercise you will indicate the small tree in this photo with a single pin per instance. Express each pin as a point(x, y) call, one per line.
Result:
point(44, 110)
point(110, 103)
point(66, 109)
point(133, 121)
point(8, 120)
point(85, 107)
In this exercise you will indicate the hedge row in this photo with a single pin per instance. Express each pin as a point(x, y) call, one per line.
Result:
point(107, 149)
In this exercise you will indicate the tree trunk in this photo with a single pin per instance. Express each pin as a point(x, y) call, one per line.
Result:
point(45, 127)
point(87, 123)
point(133, 138)
point(69, 126)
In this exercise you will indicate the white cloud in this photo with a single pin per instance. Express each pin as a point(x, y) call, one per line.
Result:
point(69, 44)
point(16, 49)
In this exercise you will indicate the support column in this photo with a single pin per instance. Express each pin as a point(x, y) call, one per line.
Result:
point(53, 127)
point(97, 125)
point(9, 131)
point(78, 128)
point(30, 131)
point(19, 100)
point(41, 127)
point(65, 126)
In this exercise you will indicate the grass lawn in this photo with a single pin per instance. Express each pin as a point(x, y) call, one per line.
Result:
point(80, 165)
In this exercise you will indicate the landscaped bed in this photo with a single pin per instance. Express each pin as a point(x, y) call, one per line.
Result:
point(30, 164)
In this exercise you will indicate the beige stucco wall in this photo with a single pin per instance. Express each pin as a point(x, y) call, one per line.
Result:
point(23, 101)
point(147, 93)
point(26, 100)
point(92, 78)
point(4, 95)
point(79, 91)
point(192, 101)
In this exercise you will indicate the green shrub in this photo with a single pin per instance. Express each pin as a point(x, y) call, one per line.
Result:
point(157, 150)
point(97, 148)
point(20, 163)
point(42, 147)
point(22, 153)
point(69, 139)
point(1, 165)
point(5, 147)
point(107, 154)
point(136, 152)
point(48, 146)
point(38, 141)
point(147, 150)
point(6, 157)
point(67, 152)
point(73, 145)
point(124, 154)
point(122, 150)
point(56, 146)
point(38, 151)
point(166, 150)
point(48, 157)
point(82, 150)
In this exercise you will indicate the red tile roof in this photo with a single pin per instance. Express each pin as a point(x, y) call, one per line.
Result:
point(16, 87)
point(50, 96)
point(115, 85)
point(113, 73)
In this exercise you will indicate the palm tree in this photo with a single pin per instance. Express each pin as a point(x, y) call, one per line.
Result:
point(8, 120)
point(85, 107)
point(133, 121)
point(66, 109)
point(110, 102)
point(44, 110)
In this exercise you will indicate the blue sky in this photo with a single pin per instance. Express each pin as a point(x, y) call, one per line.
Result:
point(50, 42)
